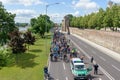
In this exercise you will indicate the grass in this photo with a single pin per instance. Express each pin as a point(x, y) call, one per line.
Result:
point(29, 65)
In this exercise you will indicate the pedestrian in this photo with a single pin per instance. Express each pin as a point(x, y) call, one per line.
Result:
point(92, 59)
point(51, 56)
point(96, 69)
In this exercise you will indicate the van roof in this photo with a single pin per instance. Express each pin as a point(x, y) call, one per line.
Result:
point(76, 59)
point(79, 64)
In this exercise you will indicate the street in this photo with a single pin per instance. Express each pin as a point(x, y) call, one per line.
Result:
point(109, 68)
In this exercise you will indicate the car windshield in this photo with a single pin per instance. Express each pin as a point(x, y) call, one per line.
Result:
point(78, 62)
point(79, 67)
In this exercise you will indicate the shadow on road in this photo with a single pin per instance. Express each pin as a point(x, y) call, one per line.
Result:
point(51, 78)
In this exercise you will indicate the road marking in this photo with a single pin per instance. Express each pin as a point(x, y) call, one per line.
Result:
point(48, 63)
point(64, 66)
point(105, 72)
point(66, 78)
point(116, 68)
point(100, 79)
point(102, 58)
point(49, 66)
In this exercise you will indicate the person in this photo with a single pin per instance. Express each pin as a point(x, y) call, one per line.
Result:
point(96, 69)
point(65, 57)
point(46, 72)
point(92, 59)
point(51, 56)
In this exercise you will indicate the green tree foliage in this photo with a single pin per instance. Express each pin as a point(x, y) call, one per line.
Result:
point(41, 24)
point(101, 19)
point(4, 57)
point(7, 24)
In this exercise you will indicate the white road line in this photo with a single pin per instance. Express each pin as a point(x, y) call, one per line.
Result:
point(66, 78)
point(102, 58)
point(105, 72)
point(49, 66)
point(116, 68)
point(64, 66)
point(100, 79)
point(48, 63)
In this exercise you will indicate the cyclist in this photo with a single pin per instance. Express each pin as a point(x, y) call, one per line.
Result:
point(46, 75)
point(92, 59)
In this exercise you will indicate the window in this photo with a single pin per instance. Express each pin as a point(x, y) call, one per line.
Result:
point(79, 67)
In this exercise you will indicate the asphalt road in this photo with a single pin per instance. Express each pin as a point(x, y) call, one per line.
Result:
point(109, 68)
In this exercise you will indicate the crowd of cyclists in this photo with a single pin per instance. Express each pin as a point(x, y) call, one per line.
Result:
point(61, 48)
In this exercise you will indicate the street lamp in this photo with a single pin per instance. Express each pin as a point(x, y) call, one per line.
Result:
point(46, 21)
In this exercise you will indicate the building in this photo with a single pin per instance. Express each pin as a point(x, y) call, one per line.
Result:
point(65, 24)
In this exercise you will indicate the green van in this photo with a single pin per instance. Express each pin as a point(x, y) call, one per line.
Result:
point(78, 69)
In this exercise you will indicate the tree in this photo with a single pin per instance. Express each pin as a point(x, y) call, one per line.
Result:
point(92, 22)
point(7, 24)
point(103, 18)
point(116, 16)
point(28, 38)
point(16, 42)
point(41, 24)
point(100, 17)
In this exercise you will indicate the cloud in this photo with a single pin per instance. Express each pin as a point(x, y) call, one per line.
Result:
point(76, 13)
point(116, 1)
point(23, 14)
point(56, 17)
point(23, 2)
point(85, 4)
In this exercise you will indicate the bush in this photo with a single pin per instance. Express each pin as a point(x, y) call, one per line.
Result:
point(3, 57)
point(97, 28)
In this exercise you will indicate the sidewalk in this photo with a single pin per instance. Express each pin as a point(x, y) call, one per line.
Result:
point(106, 51)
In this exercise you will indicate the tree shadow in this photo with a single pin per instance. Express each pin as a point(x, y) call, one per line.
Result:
point(26, 60)
point(35, 50)
point(48, 36)
point(39, 44)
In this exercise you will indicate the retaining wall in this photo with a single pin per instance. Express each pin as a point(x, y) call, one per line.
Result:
point(110, 40)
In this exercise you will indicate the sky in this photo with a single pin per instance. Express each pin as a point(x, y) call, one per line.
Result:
point(27, 9)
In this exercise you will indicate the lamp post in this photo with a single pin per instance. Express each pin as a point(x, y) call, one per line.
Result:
point(46, 21)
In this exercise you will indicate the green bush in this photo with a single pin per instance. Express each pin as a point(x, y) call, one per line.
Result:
point(97, 28)
point(3, 57)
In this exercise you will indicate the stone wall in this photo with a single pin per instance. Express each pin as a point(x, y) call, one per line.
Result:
point(107, 39)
